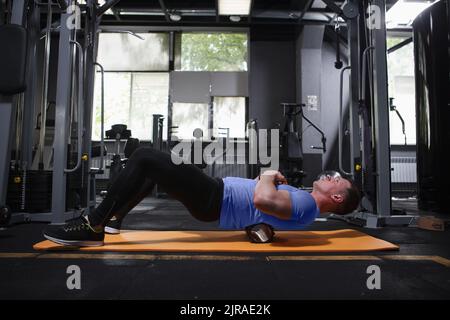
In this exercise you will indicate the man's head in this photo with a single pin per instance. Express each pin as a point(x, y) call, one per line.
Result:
point(340, 194)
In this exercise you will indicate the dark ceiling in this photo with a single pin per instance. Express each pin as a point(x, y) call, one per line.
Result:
point(204, 12)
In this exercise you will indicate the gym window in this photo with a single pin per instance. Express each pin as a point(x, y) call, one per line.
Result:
point(131, 98)
point(134, 51)
point(211, 51)
point(402, 89)
point(136, 81)
point(188, 117)
point(229, 112)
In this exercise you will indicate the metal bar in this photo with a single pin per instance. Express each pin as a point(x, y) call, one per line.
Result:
point(90, 47)
point(217, 11)
point(331, 18)
point(108, 5)
point(116, 14)
point(381, 117)
point(61, 121)
point(209, 132)
point(324, 146)
point(331, 36)
point(130, 107)
point(169, 119)
point(354, 60)
point(403, 123)
point(164, 9)
point(45, 3)
point(30, 94)
point(44, 97)
point(18, 12)
point(139, 22)
point(363, 76)
point(80, 104)
point(18, 133)
point(73, 92)
point(400, 45)
point(7, 111)
point(102, 115)
point(171, 50)
point(341, 89)
point(135, 71)
point(159, 29)
point(157, 143)
point(252, 2)
point(366, 132)
point(305, 9)
point(333, 6)
point(131, 33)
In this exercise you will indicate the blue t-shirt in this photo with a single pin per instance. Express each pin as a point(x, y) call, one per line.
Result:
point(238, 210)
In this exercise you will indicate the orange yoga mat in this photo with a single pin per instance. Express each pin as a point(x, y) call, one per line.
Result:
point(346, 240)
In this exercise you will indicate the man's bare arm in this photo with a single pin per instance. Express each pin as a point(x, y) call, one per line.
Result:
point(270, 200)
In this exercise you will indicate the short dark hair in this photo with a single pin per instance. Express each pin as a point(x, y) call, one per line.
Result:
point(352, 198)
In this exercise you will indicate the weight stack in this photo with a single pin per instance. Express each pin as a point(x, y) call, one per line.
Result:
point(30, 191)
point(14, 195)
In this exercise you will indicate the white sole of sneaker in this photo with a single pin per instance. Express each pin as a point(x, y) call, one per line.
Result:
point(75, 243)
point(110, 230)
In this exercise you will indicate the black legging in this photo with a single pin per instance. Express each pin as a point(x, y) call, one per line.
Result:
point(199, 193)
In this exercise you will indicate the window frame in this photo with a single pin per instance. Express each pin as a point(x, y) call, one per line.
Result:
point(403, 35)
point(207, 137)
point(172, 31)
point(176, 50)
point(137, 31)
point(130, 88)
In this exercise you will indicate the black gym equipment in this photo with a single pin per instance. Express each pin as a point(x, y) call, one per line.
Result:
point(12, 81)
point(5, 216)
point(432, 56)
point(338, 64)
point(120, 132)
point(260, 233)
point(157, 136)
point(117, 132)
point(348, 11)
point(291, 157)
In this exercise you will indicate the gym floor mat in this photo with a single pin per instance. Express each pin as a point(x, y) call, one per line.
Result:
point(346, 240)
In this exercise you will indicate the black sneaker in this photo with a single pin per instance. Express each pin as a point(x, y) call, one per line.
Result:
point(113, 226)
point(76, 232)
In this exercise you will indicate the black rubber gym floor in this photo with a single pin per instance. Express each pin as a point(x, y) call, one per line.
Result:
point(419, 270)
